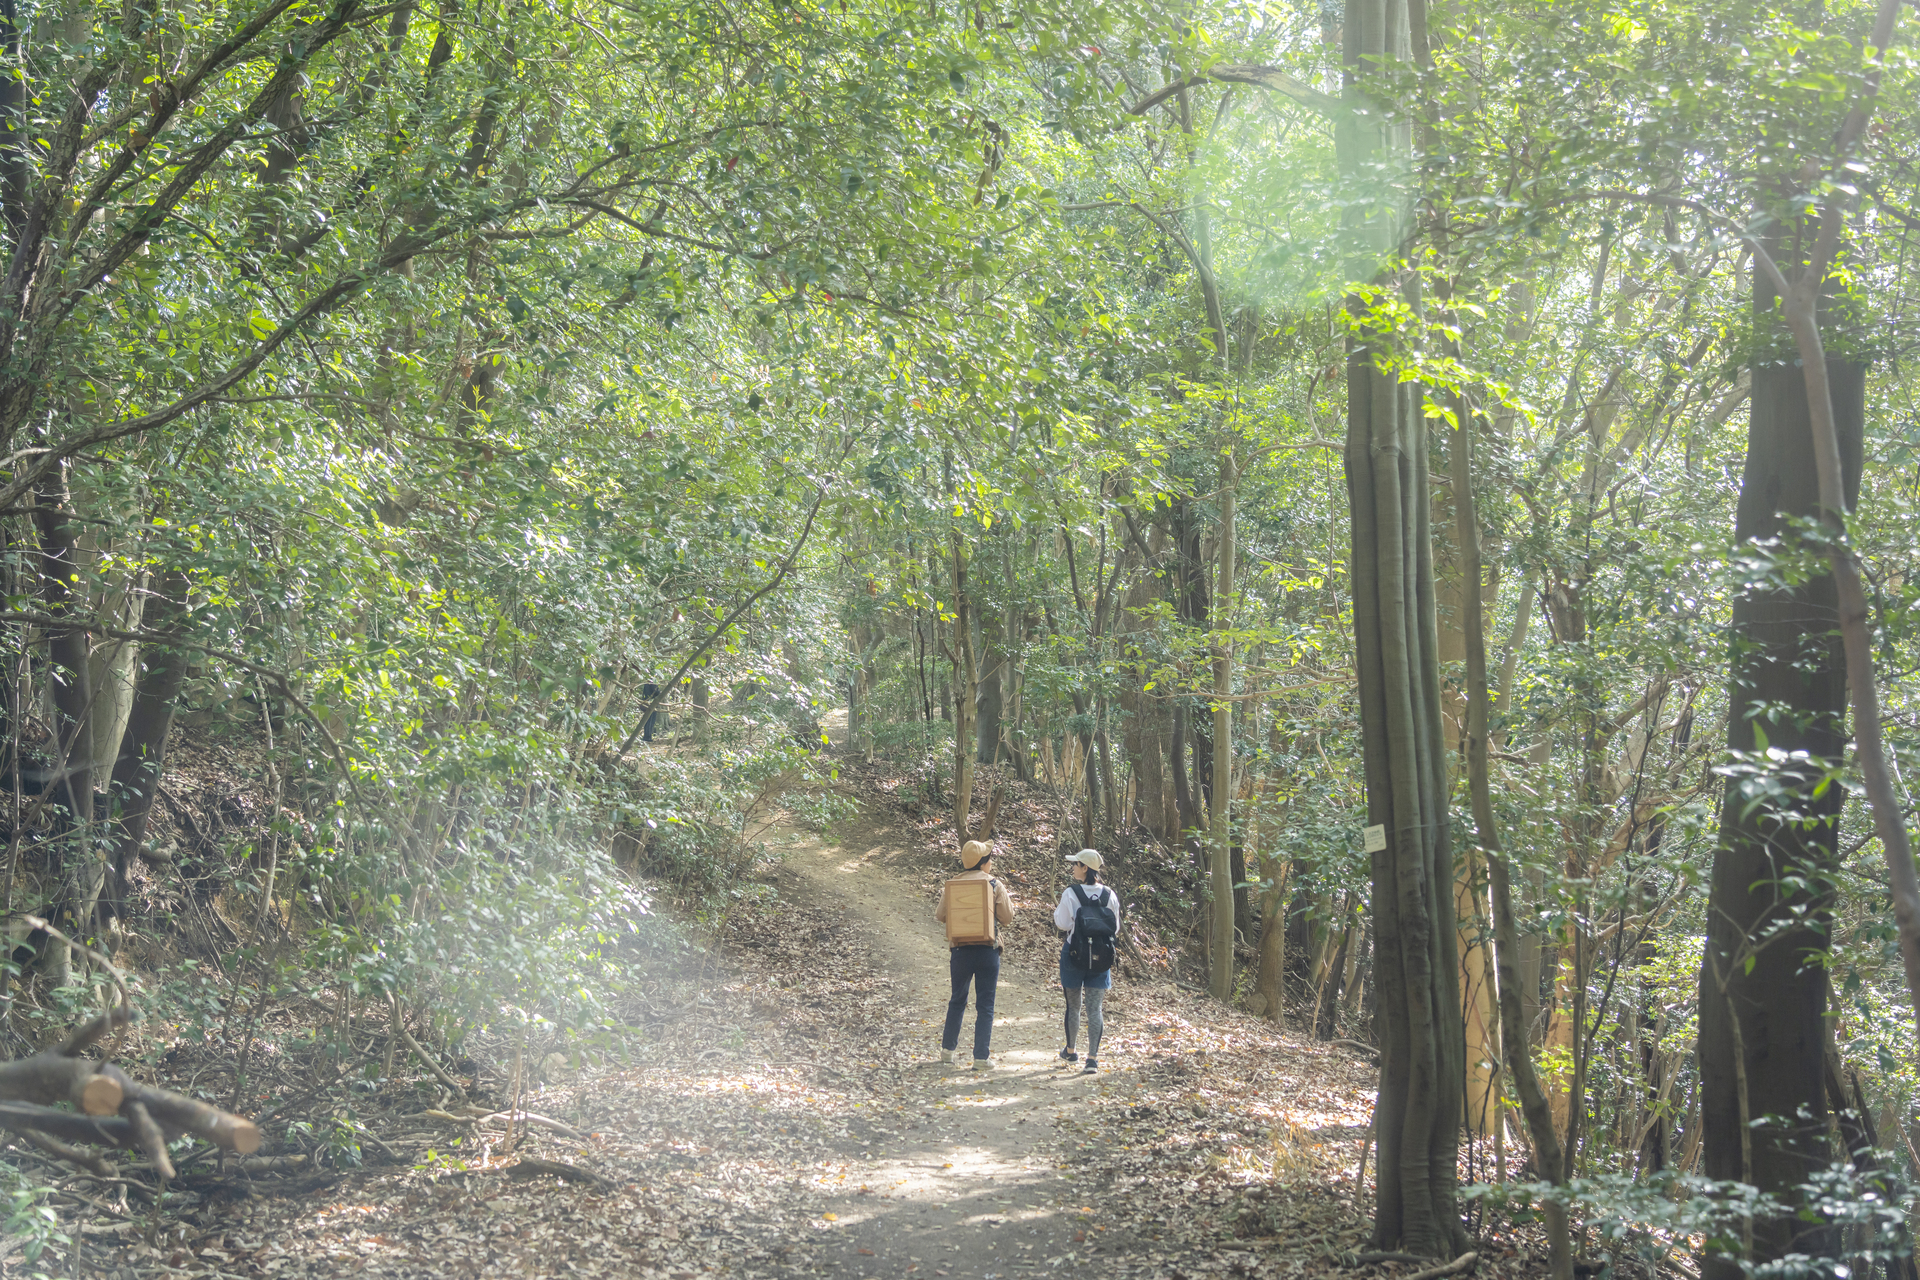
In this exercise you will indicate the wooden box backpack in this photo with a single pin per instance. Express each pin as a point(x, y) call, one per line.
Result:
point(970, 912)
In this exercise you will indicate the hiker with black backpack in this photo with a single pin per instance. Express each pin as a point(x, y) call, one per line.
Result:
point(1090, 913)
point(973, 906)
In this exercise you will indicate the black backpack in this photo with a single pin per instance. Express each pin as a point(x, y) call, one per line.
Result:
point(1094, 924)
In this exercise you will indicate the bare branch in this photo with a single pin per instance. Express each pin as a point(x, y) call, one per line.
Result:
point(1272, 79)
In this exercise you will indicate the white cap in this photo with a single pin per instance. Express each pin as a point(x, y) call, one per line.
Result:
point(1089, 857)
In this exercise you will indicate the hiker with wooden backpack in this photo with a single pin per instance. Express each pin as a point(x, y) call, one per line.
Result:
point(1090, 913)
point(973, 906)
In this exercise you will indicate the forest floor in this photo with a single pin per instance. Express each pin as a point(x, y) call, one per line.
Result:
point(786, 1114)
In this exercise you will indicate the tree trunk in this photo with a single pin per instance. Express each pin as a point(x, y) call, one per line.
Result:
point(141, 761)
point(1193, 610)
point(856, 688)
point(1110, 792)
point(1479, 995)
point(1144, 745)
point(1186, 812)
point(1560, 1041)
point(1220, 959)
point(700, 697)
point(1422, 1038)
point(990, 696)
point(1830, 454)
point(1763, 986)
point(1477, 992)
point(1333, 973)
point(67, 649)
point(1013, 633)
point(1270, 978)
point(966, 681)
point(1148, 718)
point(1089, 764)
point(112, 662)
point(15, 167)
point(1416, 969)
point(1193, 784)
point(1549, 1160)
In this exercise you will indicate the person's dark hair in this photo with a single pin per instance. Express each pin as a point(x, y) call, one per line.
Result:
point(1093, 877)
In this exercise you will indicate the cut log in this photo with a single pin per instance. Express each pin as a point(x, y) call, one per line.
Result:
point(110, 1107)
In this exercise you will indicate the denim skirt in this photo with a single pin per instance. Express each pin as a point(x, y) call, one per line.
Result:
point(1072, 975)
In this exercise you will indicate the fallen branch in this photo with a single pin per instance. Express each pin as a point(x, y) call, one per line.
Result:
point(528, 1167)
point(1465, 1262)
point(366, 1135)
point(502, 1118)
point(94, 1164)
point(439, 1073)
point(258, 1165)
point(537, 1121)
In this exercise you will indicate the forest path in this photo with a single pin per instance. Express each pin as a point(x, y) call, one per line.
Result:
point(776, 1110)
point(972, 1186)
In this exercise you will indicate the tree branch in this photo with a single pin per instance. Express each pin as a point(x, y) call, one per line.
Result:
point(1272, 79)
point(647, 708)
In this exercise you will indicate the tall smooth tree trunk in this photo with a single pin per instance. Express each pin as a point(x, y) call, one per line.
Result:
point(990, 696)
point(1417, 1116)
point(1479, 995)
point(1220, 876)
point(1422, 1036)
point(1763, 986)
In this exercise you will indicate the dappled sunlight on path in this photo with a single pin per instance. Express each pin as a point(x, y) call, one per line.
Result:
point(969, 1184)
point(784, 1113)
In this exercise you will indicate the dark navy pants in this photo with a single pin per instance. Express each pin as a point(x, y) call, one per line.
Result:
point(980, 967)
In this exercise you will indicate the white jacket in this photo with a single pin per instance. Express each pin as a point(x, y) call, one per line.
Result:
point(1069, 908)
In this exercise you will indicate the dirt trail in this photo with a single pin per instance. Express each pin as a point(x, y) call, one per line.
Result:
point(779, 1110)
point(972, 1186)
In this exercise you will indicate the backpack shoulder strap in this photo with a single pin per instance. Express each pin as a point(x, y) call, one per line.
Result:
point(1080, 892)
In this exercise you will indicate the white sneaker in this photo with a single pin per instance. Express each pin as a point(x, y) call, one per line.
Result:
point(983, 1064)
point(946, 1056)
